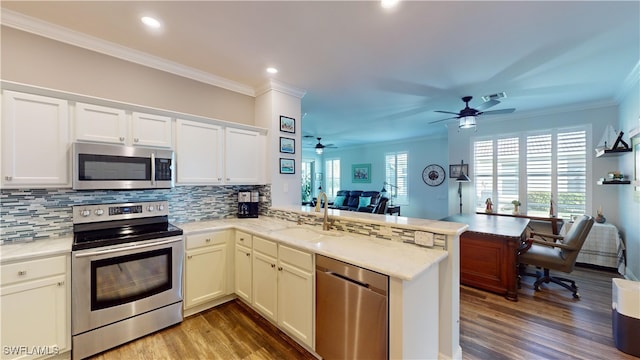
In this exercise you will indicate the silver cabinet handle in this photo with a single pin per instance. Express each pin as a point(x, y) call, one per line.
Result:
point(121, 138)
point(248, 254)
point(279, 268)
point(208, 240)
point(60, 283)
point(22, 272)
point(189, 257)
point(273, 265)
point(8, 178)
point(136, 139)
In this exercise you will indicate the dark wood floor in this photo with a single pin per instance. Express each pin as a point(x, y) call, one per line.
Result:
point(547, 324)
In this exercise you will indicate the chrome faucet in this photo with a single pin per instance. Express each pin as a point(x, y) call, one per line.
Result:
point(326, 225)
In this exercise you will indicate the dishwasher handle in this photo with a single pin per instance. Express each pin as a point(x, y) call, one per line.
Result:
point(359, 283)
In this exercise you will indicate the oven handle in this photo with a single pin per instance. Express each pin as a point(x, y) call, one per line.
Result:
point(153, 168)
point(126, 248)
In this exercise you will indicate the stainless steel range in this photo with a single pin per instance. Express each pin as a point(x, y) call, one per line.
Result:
point(126, 274)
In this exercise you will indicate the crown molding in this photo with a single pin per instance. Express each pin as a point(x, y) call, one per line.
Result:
point(628, 84)
point(280, 87)
point(35, 26)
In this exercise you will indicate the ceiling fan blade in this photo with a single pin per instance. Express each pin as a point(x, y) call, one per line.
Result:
point(496, 112)
point(328, 145)
point(446, 112)
point(437, 121)
point(487, 104)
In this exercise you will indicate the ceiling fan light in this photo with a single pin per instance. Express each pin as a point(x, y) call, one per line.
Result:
point(319, 150)
point(467, 122)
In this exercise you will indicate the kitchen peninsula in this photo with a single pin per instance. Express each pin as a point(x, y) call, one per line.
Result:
point(423, 282)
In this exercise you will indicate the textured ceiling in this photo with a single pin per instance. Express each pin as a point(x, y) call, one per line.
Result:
point(371, 74)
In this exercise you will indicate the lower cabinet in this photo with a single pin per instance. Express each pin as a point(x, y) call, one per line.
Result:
point(35, 308)
point(243, 266)
point(283, 287)
point(205, 270)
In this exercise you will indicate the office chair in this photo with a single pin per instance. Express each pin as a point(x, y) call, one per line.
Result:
point(559, 253)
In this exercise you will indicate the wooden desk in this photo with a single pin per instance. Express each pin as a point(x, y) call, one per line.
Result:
point(556, 222)
point(489, 251)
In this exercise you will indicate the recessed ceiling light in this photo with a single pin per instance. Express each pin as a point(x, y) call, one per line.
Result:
point(272, 70)
point(387, 4)
point(150, 22)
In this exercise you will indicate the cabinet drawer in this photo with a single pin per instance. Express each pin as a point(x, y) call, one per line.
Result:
point(243, 238)
point(297, 258)
point(265, 246)
point(33, 269)
point(205, 239)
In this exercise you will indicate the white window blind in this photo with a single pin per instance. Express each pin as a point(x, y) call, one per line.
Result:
point(396, 165)
point(332, 168)
point(552, 163)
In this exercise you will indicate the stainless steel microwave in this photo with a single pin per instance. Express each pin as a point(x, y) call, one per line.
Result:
point(104, 167)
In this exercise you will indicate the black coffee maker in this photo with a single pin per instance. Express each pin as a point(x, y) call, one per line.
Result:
point(248, 204)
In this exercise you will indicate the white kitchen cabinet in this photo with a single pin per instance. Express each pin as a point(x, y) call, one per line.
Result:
point(265, 277)
point(243, 266)
point(151, 130)
point(35, 309)
point(296, 293)
point(110, 125)
point(35, 141)
point(205, 267)
point(283, 287)
point(199, 153)
point(244, 153)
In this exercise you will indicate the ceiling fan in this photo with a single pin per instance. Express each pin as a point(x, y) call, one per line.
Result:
point(468, 115)
point(319, 146)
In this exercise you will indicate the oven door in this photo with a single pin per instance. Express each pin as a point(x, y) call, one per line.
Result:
point(113, 283)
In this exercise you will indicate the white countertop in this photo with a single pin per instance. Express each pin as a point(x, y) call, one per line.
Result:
point(22, 250)
point(393, 258)
point(435, 226)
point(396, 259)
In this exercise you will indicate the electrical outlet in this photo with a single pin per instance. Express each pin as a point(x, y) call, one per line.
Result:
point(423, 238)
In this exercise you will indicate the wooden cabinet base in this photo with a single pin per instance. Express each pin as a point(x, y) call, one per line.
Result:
point(488, 262)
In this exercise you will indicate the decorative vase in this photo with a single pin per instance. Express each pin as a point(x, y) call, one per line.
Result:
point(516, 210)
point(600, 219)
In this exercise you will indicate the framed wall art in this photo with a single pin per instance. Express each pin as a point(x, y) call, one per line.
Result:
point(287, 124)
point(454, 170)
point(287, 166)
point(287, 145)
point(361, 173)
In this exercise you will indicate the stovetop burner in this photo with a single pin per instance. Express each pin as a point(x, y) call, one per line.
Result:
point(112, 224)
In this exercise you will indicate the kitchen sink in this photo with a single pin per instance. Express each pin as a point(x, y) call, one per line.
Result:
point(306, 233)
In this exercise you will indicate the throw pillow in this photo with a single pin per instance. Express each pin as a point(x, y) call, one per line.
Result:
point(339, 200)
point(364, 201)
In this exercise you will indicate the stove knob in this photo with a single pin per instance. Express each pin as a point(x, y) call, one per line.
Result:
point(99, 212)
point(160, 207)
point(150, 208)
point(85, 213)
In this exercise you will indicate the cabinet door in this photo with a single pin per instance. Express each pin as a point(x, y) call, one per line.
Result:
point(205, 274)
point(199, 153)
point(243, 273)
point(35, 141)
point(100, 123)
point(295, 302)
point(34, 316)
point(244, 152)
point(265, 285)
point(150, 130)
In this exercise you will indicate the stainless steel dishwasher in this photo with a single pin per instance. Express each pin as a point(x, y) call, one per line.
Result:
point(352, 313)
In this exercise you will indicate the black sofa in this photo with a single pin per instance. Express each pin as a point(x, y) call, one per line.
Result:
point(358, 200)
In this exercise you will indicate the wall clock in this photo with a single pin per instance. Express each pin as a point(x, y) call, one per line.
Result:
point(433, 175)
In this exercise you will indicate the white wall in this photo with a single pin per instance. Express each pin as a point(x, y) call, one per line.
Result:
point(628, 197)
point(598, 117)
point(424, 201)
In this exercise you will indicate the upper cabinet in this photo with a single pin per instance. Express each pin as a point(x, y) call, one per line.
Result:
point(211, 154)
point(244, 150)
point(35, 141)
point(199, 153)
point(111, 125)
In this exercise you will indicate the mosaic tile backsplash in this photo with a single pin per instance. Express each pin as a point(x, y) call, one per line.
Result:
point(28, 214)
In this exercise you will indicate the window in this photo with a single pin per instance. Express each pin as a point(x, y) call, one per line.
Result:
point(306, 169)
point(552, 163)
point(396, 176)
point(332, 169)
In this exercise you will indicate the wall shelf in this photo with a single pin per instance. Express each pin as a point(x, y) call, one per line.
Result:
point(612, 152)
point(614, 182)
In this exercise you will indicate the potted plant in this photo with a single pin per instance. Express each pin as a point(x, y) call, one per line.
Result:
point(516, 206)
